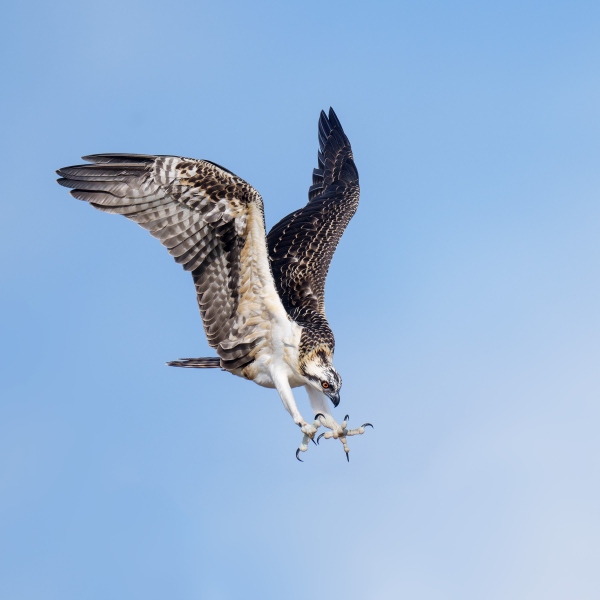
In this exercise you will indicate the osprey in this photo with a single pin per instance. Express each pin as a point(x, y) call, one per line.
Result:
point(261, 297)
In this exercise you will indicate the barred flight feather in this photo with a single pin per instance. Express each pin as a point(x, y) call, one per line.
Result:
point(203, 215)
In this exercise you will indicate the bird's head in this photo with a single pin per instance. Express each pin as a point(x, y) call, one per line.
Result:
point(319, 372)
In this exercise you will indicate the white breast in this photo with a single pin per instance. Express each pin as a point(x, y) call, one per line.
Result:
point(279, 356)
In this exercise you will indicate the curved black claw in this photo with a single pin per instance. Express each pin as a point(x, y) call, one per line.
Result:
point(367, 425)
point(348, 456)
point(313, 441)
point(298, 452)
point(319, 438)
point(346, 418)
point(319, 415)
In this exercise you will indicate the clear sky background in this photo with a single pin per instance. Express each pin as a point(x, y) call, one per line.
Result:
point(464, 298)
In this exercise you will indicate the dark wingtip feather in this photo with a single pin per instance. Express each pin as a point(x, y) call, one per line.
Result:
point(334, 157)
point(333, 119)
point(324, 126)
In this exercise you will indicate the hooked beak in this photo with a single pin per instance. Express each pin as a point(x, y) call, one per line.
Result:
point(335, 398)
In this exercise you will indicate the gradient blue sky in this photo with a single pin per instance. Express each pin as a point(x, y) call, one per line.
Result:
point(464, 297)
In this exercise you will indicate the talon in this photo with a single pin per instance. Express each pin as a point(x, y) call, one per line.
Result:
point(319, 438)
point(319, 415)
point(348, 456)
point(313, 441)
point(346, 418)
point(298, 452)
point(367, 425)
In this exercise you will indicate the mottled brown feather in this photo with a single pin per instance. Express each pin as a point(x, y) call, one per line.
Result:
point(302, 244)
point(198, 211)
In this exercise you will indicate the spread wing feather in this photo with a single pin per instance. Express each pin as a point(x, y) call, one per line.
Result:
point(211, 222)
point(302, 244)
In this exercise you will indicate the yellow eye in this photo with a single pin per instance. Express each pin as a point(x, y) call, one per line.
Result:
point(324, 384)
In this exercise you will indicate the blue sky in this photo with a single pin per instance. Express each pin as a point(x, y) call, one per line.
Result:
point(464, 297)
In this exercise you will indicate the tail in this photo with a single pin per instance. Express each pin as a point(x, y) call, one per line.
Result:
point(197, 363)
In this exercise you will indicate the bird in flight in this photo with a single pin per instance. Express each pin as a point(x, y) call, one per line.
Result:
point(261, 297)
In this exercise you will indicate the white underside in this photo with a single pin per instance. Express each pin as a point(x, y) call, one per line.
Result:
point(261, 315)
point(275, 366)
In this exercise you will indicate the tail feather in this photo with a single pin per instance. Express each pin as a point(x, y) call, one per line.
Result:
point(197, 363)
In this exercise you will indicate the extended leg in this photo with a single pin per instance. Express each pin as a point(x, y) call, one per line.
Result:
point(308, 430)
point(319, 402)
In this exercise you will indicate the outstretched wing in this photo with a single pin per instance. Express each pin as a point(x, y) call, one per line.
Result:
point(211, 222)
point(302, 244)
